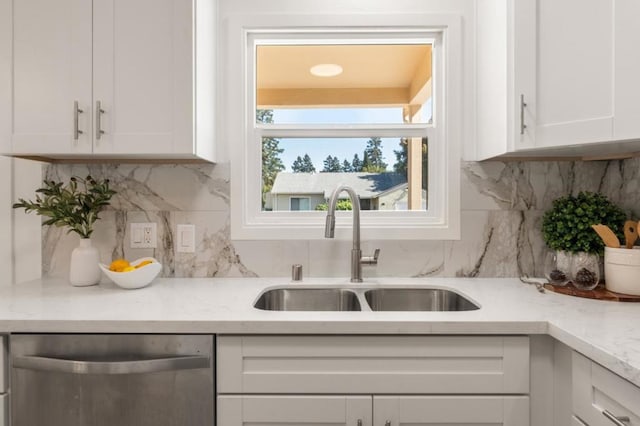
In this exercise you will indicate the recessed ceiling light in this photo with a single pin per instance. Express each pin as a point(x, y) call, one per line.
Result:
point(326, 70)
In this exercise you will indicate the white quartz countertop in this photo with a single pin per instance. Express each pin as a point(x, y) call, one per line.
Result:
point(607, 332)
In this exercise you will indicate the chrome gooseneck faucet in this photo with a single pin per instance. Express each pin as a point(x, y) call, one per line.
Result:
point(357, 260)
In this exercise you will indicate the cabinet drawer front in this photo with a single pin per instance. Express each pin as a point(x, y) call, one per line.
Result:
point(451, 410)
point(373, 364)
point(296, 410)
point(596, 390)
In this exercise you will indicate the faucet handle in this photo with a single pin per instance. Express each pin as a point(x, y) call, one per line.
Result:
point(371, 260)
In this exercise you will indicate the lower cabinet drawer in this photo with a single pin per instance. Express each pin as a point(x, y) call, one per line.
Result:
point(373, 364)
point(600, 396)
point(317, 410)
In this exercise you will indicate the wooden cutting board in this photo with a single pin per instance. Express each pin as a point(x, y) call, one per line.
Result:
point(600, 293)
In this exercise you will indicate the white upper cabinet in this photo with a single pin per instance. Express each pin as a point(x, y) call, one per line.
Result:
point(51, 73)
point(141, 73)
point(557, 78)
point(575, 65)
point(627, 88)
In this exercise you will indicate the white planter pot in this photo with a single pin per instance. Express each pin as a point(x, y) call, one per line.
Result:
point(622, 270)
point(84, 270)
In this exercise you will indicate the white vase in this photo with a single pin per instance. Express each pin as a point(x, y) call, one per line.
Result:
point(84, 270)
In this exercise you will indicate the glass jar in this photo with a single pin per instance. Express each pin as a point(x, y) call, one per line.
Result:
point(585, 271)
point(556, 268)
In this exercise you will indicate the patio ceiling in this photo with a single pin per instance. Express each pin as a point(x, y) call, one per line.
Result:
point(373, 75)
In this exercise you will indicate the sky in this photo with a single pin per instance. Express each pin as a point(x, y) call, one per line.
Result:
point(341, 148)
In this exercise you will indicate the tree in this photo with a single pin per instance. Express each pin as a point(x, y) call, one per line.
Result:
point(346, 167)
point(332, 164)
point(402, 159)
point(303, 165)
point(308, 164)
point(356, 164)
point(373, 158)
point(271, 162)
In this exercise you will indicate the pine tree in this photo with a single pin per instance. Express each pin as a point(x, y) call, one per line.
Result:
point(346, 166)
point(303, 165)
point(402, 159)
point(331, 164)
point(308, 164)
point(373, 158)
point(356, 164)
point(271, 162)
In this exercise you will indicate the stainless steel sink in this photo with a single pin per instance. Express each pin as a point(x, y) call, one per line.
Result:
point(308, 299)
point(417, 299)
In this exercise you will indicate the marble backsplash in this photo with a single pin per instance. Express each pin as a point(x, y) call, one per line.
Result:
point(502, 207)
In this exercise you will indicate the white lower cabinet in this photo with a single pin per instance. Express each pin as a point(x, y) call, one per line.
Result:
point(241, 410)
point(601, 398)
point(373, 380)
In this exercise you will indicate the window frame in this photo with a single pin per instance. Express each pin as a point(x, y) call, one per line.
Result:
point(248, 221)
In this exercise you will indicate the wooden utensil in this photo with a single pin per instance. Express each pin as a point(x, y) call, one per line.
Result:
point(607, 235)
point(630, 233)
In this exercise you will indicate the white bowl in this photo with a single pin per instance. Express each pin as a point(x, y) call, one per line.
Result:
point(622, 270)
point(134, 279)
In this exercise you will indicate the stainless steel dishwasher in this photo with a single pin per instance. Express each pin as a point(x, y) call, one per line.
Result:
point(108, 380)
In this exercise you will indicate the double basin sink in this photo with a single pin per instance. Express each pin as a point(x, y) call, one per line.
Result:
point(352, 299)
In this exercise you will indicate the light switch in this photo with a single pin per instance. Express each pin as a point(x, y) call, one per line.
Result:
point(186, 239)
point(137, 235)
point(144, 235)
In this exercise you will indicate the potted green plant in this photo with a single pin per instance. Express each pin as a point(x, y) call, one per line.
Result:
point(566, 228)
point(76, 206)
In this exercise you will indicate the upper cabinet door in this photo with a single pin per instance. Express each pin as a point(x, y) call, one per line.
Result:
point(51, 49)
point(627, 65)
point(143, 76)
point(575, 72)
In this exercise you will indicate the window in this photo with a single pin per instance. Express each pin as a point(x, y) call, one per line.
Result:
point(299, 203)
point(320, 105)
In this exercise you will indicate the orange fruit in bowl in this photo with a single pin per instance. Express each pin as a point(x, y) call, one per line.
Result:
point(143, 263)
point(119, 265)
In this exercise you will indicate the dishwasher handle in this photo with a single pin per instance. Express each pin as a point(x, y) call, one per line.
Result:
point(60, 365)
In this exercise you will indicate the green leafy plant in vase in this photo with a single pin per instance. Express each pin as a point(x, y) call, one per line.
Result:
point(75, 206)
point(566, 228)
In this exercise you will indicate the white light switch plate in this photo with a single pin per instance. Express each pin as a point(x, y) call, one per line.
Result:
point(186, 239)
point(144, 235)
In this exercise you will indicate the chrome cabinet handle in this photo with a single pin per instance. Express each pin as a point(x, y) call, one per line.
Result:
point(359, 422)
point(618, 421)
point(99, 112)
point(522, 105)
point(153, 365)
point(76, 112)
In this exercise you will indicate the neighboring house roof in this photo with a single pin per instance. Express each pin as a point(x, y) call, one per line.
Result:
point(366, 185)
